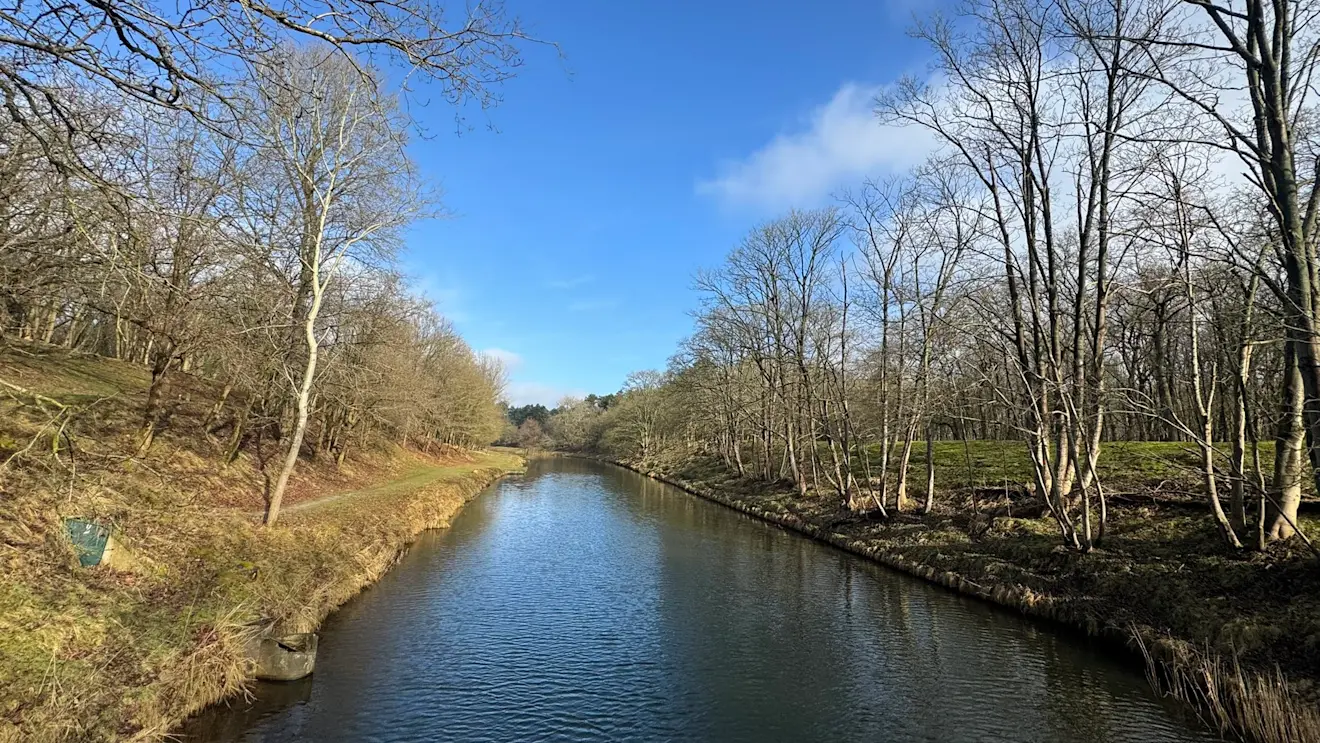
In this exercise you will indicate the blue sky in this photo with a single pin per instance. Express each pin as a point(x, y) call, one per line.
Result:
point(584, 203)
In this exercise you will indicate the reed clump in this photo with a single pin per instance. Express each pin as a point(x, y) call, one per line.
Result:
point(1251, 705)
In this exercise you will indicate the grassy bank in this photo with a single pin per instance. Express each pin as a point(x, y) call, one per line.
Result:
point(1237, 635)
point(127, 653)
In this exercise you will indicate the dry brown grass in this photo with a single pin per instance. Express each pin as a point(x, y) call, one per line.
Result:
point(101, 654)
point(97, 654)
point(1239, 703)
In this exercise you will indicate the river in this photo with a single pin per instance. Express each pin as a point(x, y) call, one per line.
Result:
point(583, 602)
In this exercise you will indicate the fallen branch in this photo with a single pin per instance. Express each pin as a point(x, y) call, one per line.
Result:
point(41, 400)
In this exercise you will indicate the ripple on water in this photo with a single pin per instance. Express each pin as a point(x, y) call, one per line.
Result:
point(586, 603)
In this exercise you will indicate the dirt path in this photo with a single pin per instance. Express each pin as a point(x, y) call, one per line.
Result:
point(412, 479)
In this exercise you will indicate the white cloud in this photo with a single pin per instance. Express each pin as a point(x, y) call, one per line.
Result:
point(842, 142)
point(532, 393)
point(519, 392)
point(509, 359)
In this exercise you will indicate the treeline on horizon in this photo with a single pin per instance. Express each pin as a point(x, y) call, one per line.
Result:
point(223, 192)
point(1115, 239)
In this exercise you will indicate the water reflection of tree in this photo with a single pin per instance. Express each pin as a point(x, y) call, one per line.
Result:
point(861, 652)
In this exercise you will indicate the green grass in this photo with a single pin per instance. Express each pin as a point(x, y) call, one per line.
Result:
point(1146, 467)
point(414, 478)
point(71, 377)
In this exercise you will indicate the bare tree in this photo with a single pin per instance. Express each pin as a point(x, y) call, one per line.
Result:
point(178, 56)
point(336, 187)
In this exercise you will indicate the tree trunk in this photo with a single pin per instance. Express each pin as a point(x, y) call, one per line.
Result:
point(1289, 453)
point(929, 501)
point(151, 423)
point(303, 394)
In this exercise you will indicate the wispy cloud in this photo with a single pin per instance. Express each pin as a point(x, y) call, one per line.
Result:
point(592, 305)
point(571, 283)
point(840, 142)
point(446, 298)
point(522, 392)
point(534, 393)
point(509, 359)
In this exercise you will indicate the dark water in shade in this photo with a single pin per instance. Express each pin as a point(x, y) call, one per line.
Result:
point(585, 603)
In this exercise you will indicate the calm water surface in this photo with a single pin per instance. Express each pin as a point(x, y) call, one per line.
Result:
point(586, 603)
